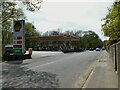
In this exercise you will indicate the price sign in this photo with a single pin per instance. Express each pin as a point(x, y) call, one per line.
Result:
point(18, 37)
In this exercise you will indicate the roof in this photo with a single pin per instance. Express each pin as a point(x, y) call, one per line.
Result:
point(55, 38)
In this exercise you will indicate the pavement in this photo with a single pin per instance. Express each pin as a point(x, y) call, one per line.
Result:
point(103, 74)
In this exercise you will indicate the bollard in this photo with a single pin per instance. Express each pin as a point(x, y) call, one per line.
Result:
point(30, 51)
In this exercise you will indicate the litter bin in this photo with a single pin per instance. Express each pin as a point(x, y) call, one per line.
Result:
point(30, 51)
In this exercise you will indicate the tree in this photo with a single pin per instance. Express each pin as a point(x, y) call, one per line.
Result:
point(91, 40)
point(79, 34)
point(68, 32)
point(32, 5)
point(46, 33)
point(30, 30)
point(9, 13)
point(53, 33)
point(111, 26)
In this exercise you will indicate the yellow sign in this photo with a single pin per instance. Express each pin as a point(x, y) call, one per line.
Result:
point(17, 26)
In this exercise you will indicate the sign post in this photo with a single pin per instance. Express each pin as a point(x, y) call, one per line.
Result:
point(18, 37)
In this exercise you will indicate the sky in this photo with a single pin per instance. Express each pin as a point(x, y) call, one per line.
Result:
point(70, 15)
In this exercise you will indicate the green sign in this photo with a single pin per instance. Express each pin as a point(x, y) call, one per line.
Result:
point(17, 50)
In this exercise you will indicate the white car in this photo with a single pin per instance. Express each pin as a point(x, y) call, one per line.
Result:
point(97, 49)
point(8, 49)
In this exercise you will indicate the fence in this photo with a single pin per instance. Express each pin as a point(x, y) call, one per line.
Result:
point(115, 56)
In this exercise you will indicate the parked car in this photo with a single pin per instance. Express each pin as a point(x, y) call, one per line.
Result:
point(91, 49)
point(103, 48)
point(97, 49)
point(8, 49)
point(79, 50)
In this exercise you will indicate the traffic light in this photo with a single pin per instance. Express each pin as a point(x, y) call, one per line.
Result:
point(18, 37)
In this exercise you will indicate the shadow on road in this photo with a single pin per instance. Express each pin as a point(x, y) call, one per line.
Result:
point(15, 76)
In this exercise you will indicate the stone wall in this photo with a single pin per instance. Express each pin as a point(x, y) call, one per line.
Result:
point(118, 61)
point(115, 56)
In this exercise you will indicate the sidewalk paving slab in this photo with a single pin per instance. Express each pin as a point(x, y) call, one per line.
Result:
point(103, 74)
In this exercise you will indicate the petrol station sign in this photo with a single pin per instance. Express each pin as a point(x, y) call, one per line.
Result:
point(18, 37)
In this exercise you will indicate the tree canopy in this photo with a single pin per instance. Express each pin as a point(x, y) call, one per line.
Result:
point(111, 26)
point(32, 5)
point(88, 39)
point(9, 13)
point(30, 30)
point(91, 40)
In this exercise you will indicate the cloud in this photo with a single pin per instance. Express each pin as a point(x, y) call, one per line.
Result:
point(78, 0)
point(69, 15)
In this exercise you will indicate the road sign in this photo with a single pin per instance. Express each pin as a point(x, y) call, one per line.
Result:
point(18, 37)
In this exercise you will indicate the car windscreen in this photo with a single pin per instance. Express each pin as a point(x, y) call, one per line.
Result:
point(9, 48)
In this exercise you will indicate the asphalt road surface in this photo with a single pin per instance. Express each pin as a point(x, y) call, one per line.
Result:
point(56, 71)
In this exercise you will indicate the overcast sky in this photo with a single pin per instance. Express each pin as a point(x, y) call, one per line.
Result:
point(70, 15)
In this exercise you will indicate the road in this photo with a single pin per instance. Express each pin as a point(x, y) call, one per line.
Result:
point(60, 70)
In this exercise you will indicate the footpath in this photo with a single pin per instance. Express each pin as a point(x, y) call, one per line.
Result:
point(103, 74)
